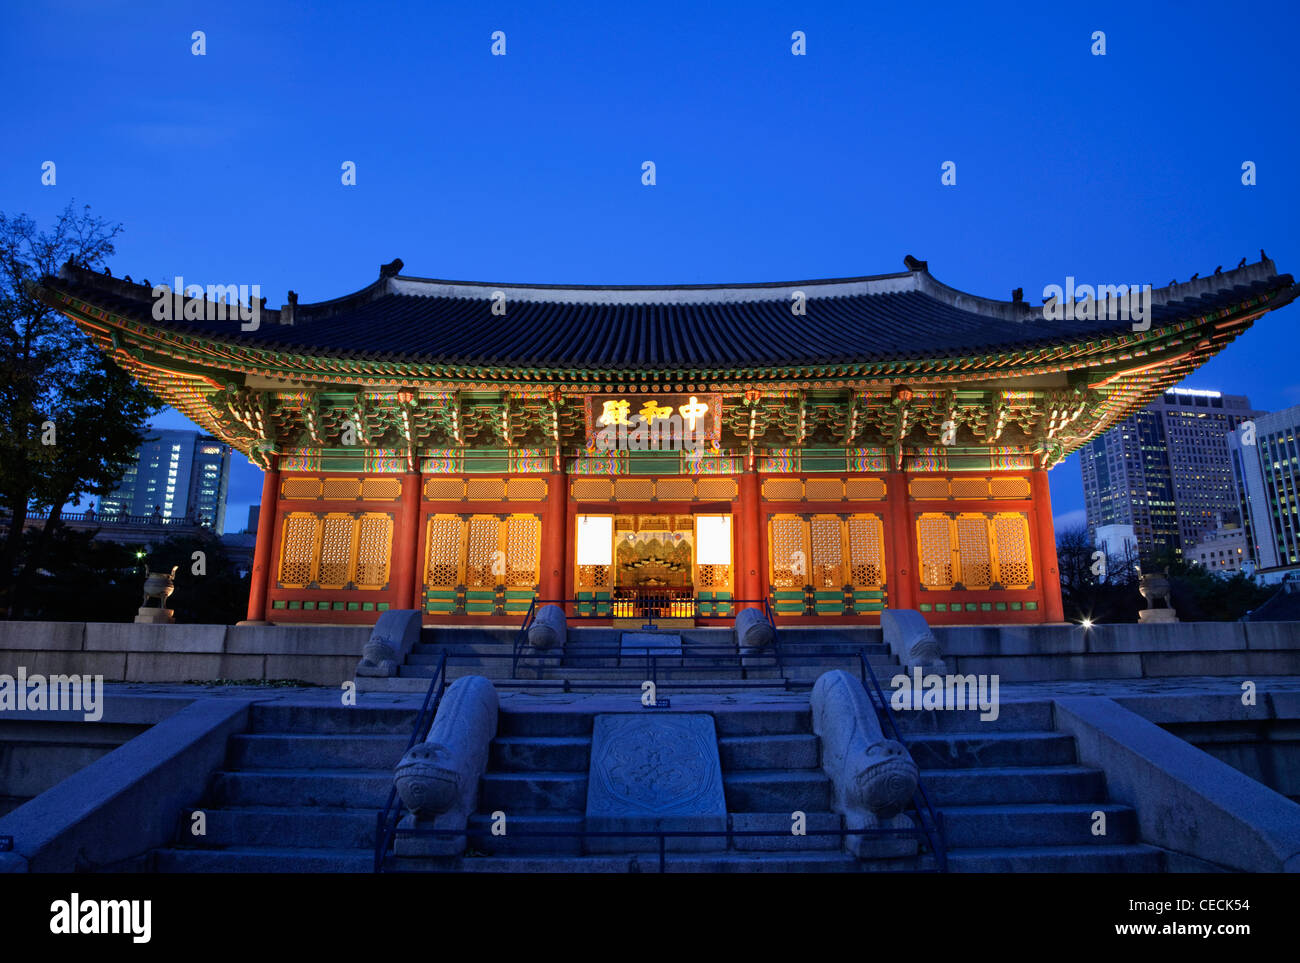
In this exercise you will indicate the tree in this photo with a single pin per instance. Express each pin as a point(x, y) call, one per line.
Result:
point(1200, 595)
point(70, 420)
point(1100, 589)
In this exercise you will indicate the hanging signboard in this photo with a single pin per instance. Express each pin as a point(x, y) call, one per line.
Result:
point(689, 422)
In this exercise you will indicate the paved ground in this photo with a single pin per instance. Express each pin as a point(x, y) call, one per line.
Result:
point(1010, 692)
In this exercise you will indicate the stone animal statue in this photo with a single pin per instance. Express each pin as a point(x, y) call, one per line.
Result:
point(909, 638)
point(549, 628)
point(391, 640)
point(872, 778)
point(753, 630)
point(438, 779)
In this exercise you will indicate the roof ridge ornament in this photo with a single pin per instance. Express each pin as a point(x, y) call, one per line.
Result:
point(914, 264)
point(391, 269)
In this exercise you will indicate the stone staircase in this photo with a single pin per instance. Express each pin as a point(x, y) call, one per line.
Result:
point(592, 660)
point(537, 776)
point(300, 790)
point(1013, 798)
point(299, 793)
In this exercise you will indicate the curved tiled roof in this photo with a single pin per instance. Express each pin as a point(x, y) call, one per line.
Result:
point(886, 317)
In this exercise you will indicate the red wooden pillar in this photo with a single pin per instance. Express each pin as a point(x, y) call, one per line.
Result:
point(260, 578)
point(1049, 575)
point(902, 553)
point(748, 585)
point(567, 508)
point(555, 538)
point(402, 576)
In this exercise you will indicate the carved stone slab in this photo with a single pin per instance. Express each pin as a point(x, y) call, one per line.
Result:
point(651, 643)
point(655, 772)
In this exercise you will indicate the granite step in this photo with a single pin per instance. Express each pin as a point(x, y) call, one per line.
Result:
point(302, 750)
point(969, 750)
point(342, 788)
point(1102, 858)
point(648, 862)
point(282, 718)
point(545, 722)
point(516, 838)
point(1035, 825)
point(264, 859)
point(576, 721)
point(532, 792)
point(777, 791)
point(1012, 716)
point(783, 840)
point(1013, 784)
point(282, 826)
point(539, 753)
point(796, 751)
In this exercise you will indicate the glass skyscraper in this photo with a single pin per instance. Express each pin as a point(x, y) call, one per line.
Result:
point(176, 474)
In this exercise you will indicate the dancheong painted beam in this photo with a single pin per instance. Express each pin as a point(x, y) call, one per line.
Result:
point(830, 447)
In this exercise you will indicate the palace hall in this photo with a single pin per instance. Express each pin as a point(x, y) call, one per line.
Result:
point(824, 448)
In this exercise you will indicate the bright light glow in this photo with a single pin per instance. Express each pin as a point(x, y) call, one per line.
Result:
point(713, 540)
point(595, 539)
point(1195, 392)
point(1086, 623)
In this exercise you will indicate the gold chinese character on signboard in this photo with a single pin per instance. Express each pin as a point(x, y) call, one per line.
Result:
point(693, 412)
point(614, 413)
point(651, 411)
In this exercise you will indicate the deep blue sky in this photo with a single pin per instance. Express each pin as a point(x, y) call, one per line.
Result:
point(226, 168)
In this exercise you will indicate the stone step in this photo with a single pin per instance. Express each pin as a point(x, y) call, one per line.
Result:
point(545, 722)
point(648, 862)
point(1012, 716)
point(797, 751)
point(819, 635)
point(1100, 858)
point(288, 717)
point(283, 827)
point(785, 841)
point(763, 722)
point(460, 660)
point(517, 827)
point(883, 662)
point(540, 753)
point(462, 634)
point(347, 788)
point(532, 792)
point(974, 750)
point(776, 791)
point(576, 721)
point(1036, 824)
point(303, 750)
point(432, 653)
point(1013, 784)
point(264, 860)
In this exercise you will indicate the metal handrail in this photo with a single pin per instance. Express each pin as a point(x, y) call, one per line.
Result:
point(387, 818)
point(884, 712)
point(522, 637)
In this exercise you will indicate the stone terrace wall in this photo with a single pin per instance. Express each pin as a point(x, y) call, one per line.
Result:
point(1033, 653)
point(126, 652)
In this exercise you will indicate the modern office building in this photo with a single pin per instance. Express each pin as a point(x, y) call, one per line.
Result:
point(176, 474)
point(1166, 471)
point(1266, 467)
point(1221, 551)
